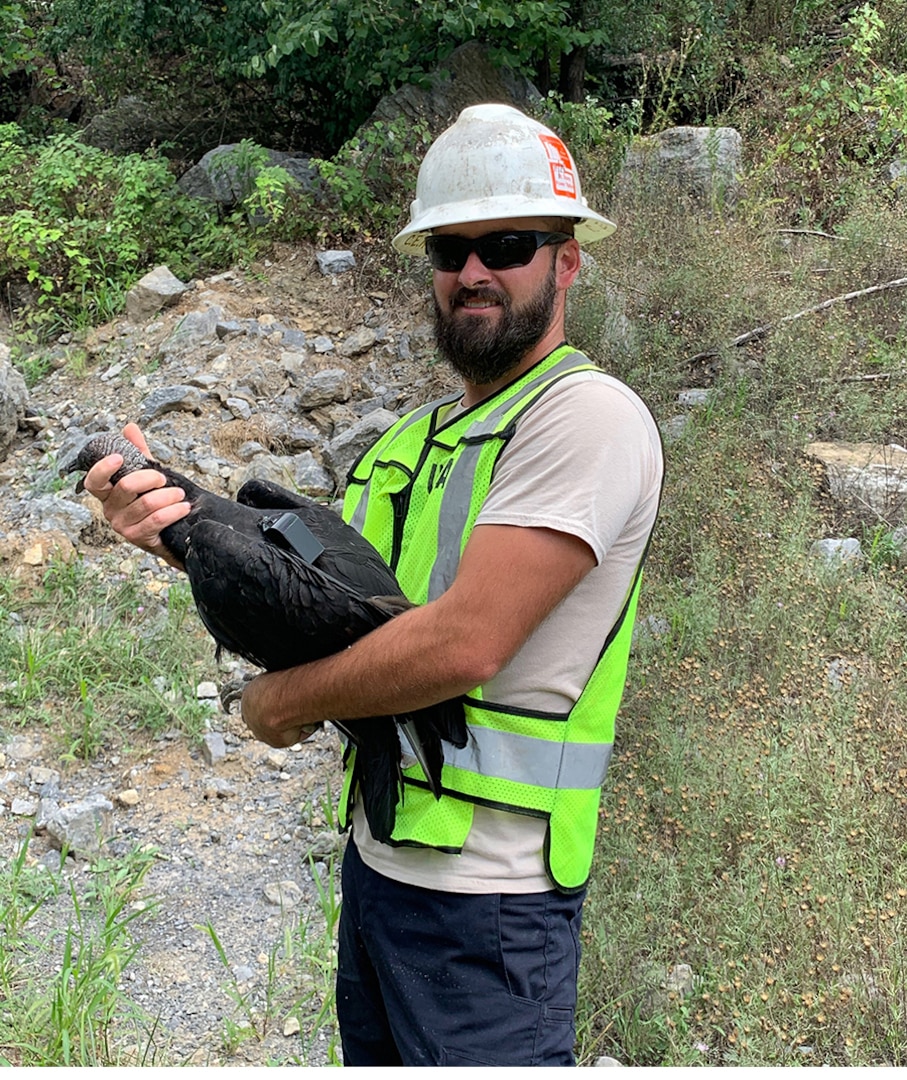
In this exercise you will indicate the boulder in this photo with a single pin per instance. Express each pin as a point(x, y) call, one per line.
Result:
point(344, 449)
point(701, 164)
point(13, 401)
point(223, 177)
point(159, 288)
point(868, 478)
point(467, 76)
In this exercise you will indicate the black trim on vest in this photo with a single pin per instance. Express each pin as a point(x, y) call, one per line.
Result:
point(512, 710)
point(489, 804)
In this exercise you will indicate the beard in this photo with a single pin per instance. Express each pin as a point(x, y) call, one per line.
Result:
point(482, 350)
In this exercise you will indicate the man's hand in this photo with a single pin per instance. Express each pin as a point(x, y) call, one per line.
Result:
point(261, 718)
point(139, 506)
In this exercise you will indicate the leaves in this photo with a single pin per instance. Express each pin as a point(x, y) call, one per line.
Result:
point(81, 224)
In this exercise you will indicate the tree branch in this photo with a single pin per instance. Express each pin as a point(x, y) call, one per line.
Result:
point(762, 331)
point(810, 232)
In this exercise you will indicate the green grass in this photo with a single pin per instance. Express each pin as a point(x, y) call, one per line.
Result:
point(102, 654)
point(754, 825)
point(60, 989)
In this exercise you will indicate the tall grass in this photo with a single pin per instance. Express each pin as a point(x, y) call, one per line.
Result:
point(754, 830)
point(62, 1003)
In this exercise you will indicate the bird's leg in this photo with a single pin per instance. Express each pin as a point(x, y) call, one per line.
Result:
point(232, 689)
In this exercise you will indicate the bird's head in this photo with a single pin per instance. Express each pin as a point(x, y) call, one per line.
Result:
point(100, 446)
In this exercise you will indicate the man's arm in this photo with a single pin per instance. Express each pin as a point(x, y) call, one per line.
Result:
point(509, 579)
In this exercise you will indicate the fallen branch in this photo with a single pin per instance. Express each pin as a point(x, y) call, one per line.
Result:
point(867, 378)
point(762, 331)
point(810, 232)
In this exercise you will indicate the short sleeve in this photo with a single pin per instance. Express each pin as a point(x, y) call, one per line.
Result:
point(581, 461)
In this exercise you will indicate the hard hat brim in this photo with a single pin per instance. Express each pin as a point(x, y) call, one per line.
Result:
point(589, 228)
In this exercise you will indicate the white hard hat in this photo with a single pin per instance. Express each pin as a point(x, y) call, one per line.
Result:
point(496, 162)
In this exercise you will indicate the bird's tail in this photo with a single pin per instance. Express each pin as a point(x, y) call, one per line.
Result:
point(424, 730)
point(377, 772)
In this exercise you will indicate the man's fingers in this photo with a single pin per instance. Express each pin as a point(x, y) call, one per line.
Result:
point(133, 433)
point(160, 507)
point(97, 479)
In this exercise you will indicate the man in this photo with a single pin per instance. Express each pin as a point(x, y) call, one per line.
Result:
point(517, 515)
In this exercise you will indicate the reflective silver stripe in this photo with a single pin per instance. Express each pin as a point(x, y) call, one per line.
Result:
point(358, 519)
point(456, 500)
point(502, 755)
point(490, 424)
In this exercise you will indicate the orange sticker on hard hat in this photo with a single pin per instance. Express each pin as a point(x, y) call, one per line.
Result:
point(563, 178)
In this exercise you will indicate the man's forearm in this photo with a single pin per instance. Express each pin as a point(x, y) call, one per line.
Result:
point(401, 666)
point(509, 579)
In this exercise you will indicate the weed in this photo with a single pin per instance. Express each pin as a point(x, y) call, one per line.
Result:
point(98, 648)
point(72, 1013)
point(302, 969)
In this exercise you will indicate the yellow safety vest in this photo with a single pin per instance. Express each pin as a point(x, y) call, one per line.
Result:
point(416, 495)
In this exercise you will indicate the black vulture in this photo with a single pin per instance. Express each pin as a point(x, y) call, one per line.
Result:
point(282, 580)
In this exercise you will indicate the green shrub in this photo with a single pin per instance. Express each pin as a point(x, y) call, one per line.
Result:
point(369, 179)
point(80, 225)
point(844, 119)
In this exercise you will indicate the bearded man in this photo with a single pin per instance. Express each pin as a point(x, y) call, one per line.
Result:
point(516, 513)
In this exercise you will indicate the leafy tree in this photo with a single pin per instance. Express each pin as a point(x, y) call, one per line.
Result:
point(20, 56)
point(324, 61)
point(16, 39)
point(364, 48)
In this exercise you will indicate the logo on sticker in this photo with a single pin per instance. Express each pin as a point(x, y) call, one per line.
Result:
point(563, 178)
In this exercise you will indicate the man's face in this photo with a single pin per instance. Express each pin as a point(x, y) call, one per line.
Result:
point(486, 321)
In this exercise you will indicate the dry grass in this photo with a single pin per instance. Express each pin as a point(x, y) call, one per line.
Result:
point(755, 820)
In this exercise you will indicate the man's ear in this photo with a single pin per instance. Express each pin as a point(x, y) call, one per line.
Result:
point(568, 263)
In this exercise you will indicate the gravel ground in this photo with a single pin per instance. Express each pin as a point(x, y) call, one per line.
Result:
point(235, 844)
point(235, 839)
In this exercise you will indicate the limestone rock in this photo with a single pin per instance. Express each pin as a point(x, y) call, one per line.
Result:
point(700, 163)
point(866, 477)
point(156, 290)
point(13, 402)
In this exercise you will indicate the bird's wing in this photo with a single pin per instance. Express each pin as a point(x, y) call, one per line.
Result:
point(347, 555)
point(266, 495)
point(268, 605)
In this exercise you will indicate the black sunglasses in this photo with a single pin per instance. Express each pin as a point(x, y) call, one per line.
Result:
point(497, 250)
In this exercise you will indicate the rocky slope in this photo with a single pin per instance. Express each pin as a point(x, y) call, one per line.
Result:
point(273, 369)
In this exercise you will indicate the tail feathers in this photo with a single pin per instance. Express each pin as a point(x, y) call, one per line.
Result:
point(377, 772)
point(427, 748)
point(426, 728)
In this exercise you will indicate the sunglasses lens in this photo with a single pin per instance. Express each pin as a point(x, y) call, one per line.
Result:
point(501, 251)
point(447, 253)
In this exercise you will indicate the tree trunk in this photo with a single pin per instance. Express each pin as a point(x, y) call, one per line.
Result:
point(543, 74)
point(572, 78)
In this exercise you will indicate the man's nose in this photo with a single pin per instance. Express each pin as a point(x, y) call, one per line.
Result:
point(474, 272)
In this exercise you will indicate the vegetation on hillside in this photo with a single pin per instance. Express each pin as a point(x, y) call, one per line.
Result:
point(755, 823)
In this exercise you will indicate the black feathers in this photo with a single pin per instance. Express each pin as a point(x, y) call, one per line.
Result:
point(260, 599)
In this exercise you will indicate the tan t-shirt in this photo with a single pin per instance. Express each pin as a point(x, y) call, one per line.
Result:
point(586, 460)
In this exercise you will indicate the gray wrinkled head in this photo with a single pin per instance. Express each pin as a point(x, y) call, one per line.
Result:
point(98, 447)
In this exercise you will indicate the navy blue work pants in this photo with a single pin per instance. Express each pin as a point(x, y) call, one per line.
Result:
point(437, 978)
